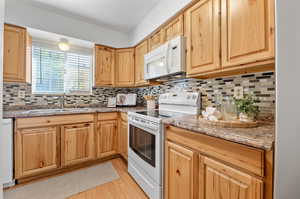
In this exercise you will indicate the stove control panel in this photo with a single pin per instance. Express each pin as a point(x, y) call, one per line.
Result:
point(139, 121)
point(184, 98)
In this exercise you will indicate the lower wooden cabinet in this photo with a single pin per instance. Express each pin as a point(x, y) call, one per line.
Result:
point(181, 167)
point(36, 151)
point(196, 168)
point(123, 139)
point(106, 138)
point(77, 143)
point(221, 181)
point(46, 145)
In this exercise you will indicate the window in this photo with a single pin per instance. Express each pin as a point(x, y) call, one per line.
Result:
point(57, 72)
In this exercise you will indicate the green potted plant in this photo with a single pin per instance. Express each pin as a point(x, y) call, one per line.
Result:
point(246, 108)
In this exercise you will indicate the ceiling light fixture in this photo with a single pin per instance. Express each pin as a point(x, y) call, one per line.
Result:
point(64, 44)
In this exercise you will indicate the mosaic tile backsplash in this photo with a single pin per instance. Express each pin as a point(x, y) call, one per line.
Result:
point(99, 97)
point(261, 85)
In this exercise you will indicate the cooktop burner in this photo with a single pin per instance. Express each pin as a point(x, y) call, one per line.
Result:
point(154, 113)
point(160, 113)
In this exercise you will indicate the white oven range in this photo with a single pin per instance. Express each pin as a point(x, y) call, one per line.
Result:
point(145, 142)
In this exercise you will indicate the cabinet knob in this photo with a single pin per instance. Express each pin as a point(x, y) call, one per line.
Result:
point(41, 164)
point(178, 172)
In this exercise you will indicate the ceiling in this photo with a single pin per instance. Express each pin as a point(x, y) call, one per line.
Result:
point(120, 15)
point(55, 38)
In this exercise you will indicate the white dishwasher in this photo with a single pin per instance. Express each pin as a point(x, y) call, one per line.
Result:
point(7, 149)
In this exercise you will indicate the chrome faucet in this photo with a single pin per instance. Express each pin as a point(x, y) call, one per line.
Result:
point(62, 102)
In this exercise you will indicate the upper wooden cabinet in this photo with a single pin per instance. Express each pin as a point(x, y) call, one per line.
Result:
point(140, 52)
point(221, 181)
point(14, 61)
point(247, 31)
point(36, 151)
point(203, 37)
point(104, 66)
point(125, 67)
point(156, 40)
point(174, 28)
point(77, 143)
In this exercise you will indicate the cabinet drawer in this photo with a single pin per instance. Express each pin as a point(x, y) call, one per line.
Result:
point(247, 158)
point(53, 120)
point(124, 117)
point(107, 116)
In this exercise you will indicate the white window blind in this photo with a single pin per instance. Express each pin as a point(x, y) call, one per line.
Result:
point(57, 72)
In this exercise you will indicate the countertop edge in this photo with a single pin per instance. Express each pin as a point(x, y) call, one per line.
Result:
point(267, 146)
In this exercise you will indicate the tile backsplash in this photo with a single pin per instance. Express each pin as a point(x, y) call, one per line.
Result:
point(98, 97)
point(261, 85)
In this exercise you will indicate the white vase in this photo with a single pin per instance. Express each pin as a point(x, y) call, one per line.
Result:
point(245, 118)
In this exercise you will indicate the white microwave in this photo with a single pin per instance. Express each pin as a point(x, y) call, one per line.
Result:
point(168, 59)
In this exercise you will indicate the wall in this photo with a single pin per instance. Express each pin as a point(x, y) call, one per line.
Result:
point(1, 78)
point(164, 10)
point(287, 162)
point(22, 14)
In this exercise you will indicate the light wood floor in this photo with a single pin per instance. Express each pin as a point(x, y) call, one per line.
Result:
point(123, 188)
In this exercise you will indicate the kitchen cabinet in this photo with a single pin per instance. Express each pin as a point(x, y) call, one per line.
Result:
point(221, 181)
point(14, 60)
point(107, 138)
point(77, 143)
point(203, 37)
point(36, 151)
point(125, 67)
point(181, 167)
point(229, 37)
point(140, 51)
point(174, 28)
point(104, 66)
point(123, 136)
point(205, 167)
point(247, 31)
point(156, 40)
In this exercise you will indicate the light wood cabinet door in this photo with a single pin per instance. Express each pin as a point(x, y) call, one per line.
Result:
point(36, 151)
point(107, 138)
point(125, 67)
point(218, 181)
point(77, 143)
point(174, 28)
point(140, 51)
point(14, 64)
point(181, 167)
point(123, 139)
point(247, 31)
point(203, 37)
point(156, 40)
point(104, 66)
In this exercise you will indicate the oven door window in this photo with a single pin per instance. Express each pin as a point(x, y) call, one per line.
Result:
point(143, 144)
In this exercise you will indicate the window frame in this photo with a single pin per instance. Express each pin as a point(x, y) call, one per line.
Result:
point(78, 50)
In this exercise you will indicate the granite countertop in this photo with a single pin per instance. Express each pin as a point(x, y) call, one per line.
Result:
point(65, 111)
point(262, 137)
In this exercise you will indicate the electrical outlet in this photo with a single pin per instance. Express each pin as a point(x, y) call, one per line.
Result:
point(21, 94)
point(238, 92)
